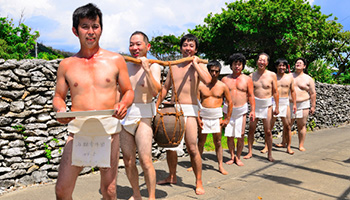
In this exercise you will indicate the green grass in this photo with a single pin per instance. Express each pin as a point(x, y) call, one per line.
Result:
point(209, 143)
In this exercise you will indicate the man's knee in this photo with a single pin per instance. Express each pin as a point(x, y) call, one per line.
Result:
point(109, 191)
point(129, 161)
point(61, 191)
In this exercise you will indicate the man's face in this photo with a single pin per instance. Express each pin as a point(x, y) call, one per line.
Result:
point(89, 32)
point(300, 65)
point(138, 47)
point(237, 67)
point(188, 48)
point(281, 68)
point(262, 62)
point(214, 72)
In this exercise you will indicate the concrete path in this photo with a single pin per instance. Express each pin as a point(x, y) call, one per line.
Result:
point(322, 172)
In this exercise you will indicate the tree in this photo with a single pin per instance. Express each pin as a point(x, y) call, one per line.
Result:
point(280, 28)
point(15, 42)
point(166, 47)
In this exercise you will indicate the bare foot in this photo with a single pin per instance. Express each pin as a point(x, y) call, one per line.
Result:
point(280, 145)
point(168, 180)
point(239, 162)
point(230, 162)
point(135, 198)
point(302, 149)
point(199, 189)
point(270, 159)
point(249, 155)
point(223, 171)
point(189, 169)
point(290, 151)
point(264, 150)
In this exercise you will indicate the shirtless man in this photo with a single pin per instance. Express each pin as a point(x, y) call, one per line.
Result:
point(92, 76)
point(186, 78)
point(241, 91)
point(210, 119)
point(285, 86)
point(305, 92)
point(265, 86)
point(137, 131)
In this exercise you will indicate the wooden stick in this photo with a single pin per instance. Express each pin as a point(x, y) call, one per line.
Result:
point(164, 63)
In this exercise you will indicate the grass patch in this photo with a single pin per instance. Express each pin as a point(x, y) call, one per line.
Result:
point(209, 143)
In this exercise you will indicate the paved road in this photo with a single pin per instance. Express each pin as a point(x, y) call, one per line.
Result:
point(321, 173)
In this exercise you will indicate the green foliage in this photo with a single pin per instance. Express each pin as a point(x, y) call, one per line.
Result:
point(15, 42)
point(280, 28)
point(47, 56)
point(321, 71)
point(48, 152)
point(165, 47)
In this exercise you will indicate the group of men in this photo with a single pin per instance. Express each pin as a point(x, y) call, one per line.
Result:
point(101, 80)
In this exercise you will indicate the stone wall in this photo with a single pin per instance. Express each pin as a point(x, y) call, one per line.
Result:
point(32, 141)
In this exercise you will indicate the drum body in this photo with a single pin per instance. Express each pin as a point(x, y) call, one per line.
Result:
point(168, 126)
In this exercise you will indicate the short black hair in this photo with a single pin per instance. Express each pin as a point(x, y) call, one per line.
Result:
point(145, 37)
point(213, 63)
point(302, 59)
point(281, 60)
point(189, 37)
point(90, 11)
point(264, 54)
point(237, 57)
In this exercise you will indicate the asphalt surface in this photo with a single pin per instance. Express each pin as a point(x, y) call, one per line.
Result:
point(321, 172)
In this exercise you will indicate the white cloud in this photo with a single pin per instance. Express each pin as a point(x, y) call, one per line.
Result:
point(120, 18)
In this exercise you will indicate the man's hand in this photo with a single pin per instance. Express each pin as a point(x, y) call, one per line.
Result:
point(200, 122)
point(65, 120)
point(223, 123)
point(294, 108)
point(252, 116)
point(120, 110)
point(145, 64)
point(276, 111)
point(312, 110)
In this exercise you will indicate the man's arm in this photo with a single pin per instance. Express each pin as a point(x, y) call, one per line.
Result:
point(152, 76)
point(275, 93)
point(164, 90)
point(202, 71)
point(293, 95)
point(59, 104)
point(312, 92)
point(251, 99)
point(125, 88)
point(229, 103)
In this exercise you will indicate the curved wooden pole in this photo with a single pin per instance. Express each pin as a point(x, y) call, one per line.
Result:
point(164, 63)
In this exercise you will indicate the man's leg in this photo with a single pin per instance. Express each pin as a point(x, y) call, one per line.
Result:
point(231, 148)
point(202, 137)
point(109, 175)
point(268, 133)
point(240, 143)
point(287, 133)
point(301, 124)
point(192, 147)
point(219, 152)
point(265, 149)
point(171, 158)
point(252, 128)
point(143, 140)
point(67, 173)
point(128, 146)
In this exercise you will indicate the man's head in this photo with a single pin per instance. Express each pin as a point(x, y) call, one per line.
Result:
point(263, 60)
point(214, 68)
point(89, 11)
point(139, 44)
point(189, 45)
point(281, 65)
point(237, 62)
point(300, 64)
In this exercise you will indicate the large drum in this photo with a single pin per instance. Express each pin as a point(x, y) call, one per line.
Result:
point(168, 126)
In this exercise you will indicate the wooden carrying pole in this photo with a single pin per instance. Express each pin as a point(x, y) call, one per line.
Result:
point(163, 63)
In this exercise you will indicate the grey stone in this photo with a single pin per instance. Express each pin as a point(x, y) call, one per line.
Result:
point(40, 176)
point(43, 117)
point(5, 169)
point(17, 106)
point(16, 143)
point(46, 167)
point(26, 81)
point(13, 152)
point(36, 126)
point(35, 154)
point(4, 106)
point(22, 165)
point(21, 72)
point(13, 174)
point(40, 100)
point(7, 183)
point(40, 161)
point(52, 174)
point(3, 142)
point(5, 121)
point(14, 94)
point(26, 180)
point(33, 139)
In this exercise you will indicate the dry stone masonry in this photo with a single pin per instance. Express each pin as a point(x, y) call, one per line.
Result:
point(32, 141)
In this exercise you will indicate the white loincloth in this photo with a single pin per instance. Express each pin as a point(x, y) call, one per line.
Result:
point(262, 107)
point(282, 106)
point(211, 119)
point(300, 107)
point(190, 110)
point(234, 127)
point(92, 140)
point(135, 112)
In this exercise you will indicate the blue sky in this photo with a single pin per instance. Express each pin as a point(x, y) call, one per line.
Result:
point(53, 19)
